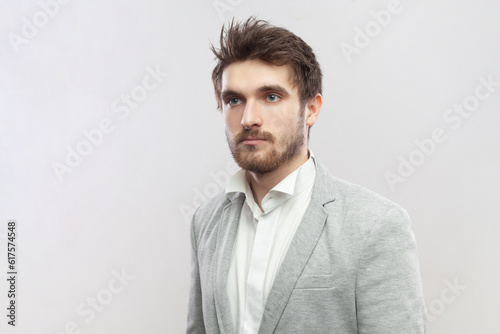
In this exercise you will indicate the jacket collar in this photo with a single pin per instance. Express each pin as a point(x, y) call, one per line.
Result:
point(300, 250)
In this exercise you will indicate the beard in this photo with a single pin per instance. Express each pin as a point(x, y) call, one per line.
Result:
point(260, 160)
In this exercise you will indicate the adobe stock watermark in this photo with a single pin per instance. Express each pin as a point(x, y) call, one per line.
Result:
point(448, 295)
point(209, 190)
point(453, 117)
point(223, 6)
point(88, 309)
point(30, 27)
point(371, 30)
point(94, 137)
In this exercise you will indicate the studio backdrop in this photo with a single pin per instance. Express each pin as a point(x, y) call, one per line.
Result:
point(110, 138)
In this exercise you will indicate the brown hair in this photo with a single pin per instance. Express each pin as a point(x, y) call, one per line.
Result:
point(257, 39)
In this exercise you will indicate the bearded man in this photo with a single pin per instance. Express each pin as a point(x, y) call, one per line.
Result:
point(288, 248)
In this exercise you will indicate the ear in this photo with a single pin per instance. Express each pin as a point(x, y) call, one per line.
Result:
point(313, 107)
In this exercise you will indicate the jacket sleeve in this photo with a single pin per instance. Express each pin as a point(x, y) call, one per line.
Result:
point(389, 296)
point(195, 323)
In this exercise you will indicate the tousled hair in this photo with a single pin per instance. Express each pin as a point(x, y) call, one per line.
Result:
point(257, 39)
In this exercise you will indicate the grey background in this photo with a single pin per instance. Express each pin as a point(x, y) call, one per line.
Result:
point(124, 206)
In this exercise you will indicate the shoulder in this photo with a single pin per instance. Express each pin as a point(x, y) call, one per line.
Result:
point(209, 214)
point(363, 200)
point(357, 211)
point(381, 224)
point(330, 190)
point(211, 206)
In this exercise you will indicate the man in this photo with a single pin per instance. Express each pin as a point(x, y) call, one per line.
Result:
point(288, 248)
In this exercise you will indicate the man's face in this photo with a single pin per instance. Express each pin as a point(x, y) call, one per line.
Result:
point(265, 126)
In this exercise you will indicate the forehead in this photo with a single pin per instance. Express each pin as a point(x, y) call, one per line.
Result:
point(252, 74)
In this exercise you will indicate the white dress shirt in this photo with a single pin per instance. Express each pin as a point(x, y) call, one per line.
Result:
point(262, 241)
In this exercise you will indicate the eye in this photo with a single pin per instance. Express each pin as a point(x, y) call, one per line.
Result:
point(272, 97)
point(233, 101)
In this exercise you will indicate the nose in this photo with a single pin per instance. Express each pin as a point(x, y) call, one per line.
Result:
point(252, 115)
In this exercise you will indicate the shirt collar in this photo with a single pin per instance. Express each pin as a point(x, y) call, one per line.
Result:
point(291, 185)
point(296, 181)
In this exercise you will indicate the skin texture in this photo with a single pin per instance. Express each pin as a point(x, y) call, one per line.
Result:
point(265, 128)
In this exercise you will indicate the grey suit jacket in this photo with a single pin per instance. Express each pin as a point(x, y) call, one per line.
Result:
point(352, 266)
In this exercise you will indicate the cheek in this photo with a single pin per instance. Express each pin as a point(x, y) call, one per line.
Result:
point(232, 122)
point(284, 117)
point(277, 121)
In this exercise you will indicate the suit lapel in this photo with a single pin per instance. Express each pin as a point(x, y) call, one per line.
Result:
point(299, 252)
point(226, 234)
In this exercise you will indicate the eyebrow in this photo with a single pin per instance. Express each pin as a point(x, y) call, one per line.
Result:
point(227, 93)
point(263, 89)
point(273, 88)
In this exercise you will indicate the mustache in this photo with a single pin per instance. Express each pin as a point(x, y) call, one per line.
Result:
point(238, 138)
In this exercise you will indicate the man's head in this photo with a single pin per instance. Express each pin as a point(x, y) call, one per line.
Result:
point(257, 39)
point(268, 86)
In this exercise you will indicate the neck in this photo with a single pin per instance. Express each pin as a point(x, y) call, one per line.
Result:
point(261, 184)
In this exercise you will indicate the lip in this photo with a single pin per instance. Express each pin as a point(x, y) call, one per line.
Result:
point(253, 141)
